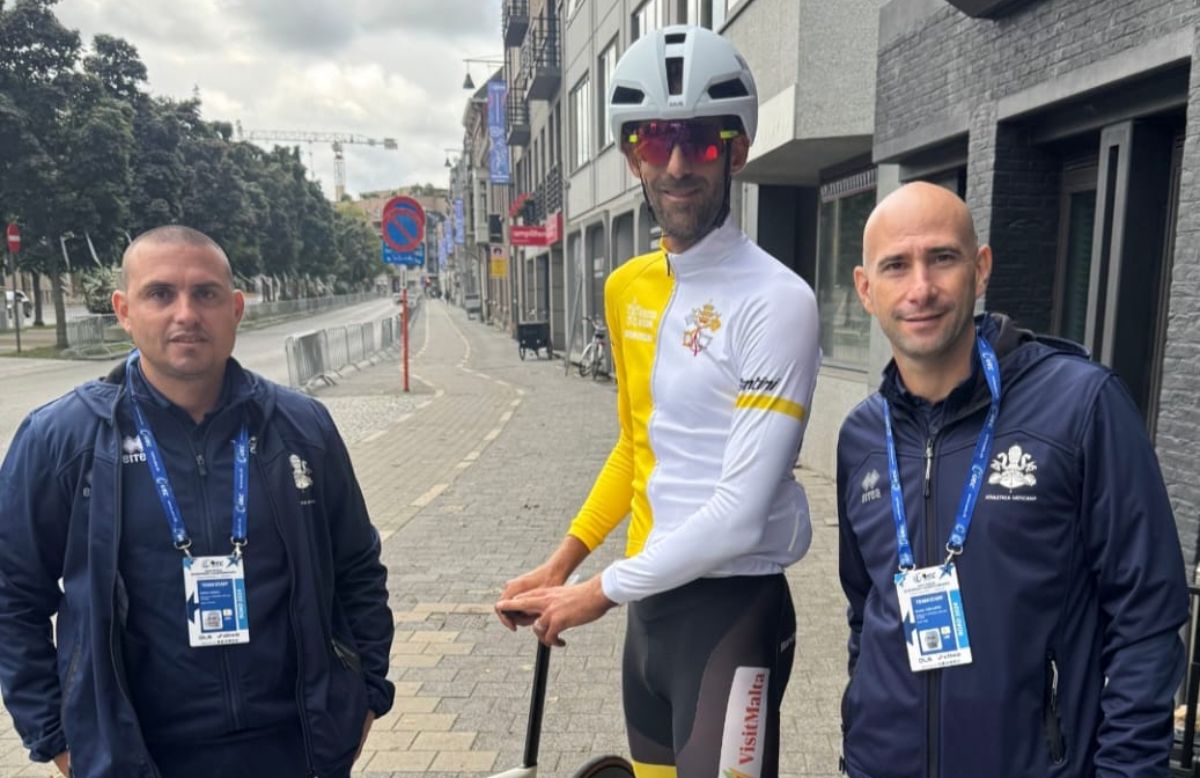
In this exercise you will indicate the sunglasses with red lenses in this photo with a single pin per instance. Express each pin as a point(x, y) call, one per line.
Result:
point(699, 141)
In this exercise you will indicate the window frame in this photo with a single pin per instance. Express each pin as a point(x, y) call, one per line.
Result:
point(581, 123)
point(833, 192)
point(606, 66)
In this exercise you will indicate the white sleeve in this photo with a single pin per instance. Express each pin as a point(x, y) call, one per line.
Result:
point(778, 355)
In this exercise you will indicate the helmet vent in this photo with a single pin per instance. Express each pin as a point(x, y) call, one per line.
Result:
point(725, 90)
point(624, 95)
point(674, 75)
point(675, 37)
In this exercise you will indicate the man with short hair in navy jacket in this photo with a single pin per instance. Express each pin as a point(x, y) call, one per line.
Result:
point(1007, 547)
point(223, 609)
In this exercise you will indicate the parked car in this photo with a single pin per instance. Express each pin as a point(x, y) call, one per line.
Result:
point(26, 303)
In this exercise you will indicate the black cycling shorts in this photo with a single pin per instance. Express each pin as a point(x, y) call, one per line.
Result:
point(704, 673)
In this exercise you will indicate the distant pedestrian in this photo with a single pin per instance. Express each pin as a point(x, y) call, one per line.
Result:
point(1007, 546)
point(715, 345)
point(223, 609)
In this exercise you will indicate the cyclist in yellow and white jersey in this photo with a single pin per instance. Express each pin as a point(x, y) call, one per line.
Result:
point(715, 345)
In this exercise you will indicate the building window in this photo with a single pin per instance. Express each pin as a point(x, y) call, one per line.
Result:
point(1077, 219)
point(645, 19)
point(581, 124)
point(720, 9)
point(572, 7)
point(845, 326)
point(700, 12)
point(604, 72)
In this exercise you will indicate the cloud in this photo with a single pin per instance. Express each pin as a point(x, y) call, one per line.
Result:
point(374, 68)
point(299, 25)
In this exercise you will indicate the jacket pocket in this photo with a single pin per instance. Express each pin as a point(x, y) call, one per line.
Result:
point(1051, 714)
point(347, 656)
point(336, 721)
point(68, 679)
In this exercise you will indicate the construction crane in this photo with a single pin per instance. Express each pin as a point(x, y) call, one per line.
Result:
point(335, 139)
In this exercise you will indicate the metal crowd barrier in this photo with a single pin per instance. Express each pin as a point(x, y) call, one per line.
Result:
point(323, 355)
point(97, 334)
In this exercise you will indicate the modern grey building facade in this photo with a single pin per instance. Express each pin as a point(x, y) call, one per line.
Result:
point(1071, 129)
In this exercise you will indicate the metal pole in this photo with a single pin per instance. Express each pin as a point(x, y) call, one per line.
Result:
point(404, 330)
point(537, 706)
point(18, 309)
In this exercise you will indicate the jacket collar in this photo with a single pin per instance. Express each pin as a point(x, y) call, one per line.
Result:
point(103, 397)
point(713, 249)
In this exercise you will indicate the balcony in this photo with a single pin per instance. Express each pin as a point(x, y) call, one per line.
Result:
point(515, 22)
point(517, 117)
point(547, 197)
point(541, 59)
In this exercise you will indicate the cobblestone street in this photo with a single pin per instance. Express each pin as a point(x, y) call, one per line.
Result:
point(472, 478)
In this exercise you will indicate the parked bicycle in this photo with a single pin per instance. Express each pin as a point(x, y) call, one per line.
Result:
point(594, 359)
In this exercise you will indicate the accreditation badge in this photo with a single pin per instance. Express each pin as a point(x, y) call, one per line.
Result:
point(216, 600)
point(931, 610)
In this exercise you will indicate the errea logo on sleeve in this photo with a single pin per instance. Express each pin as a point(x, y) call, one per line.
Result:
point(870, 487)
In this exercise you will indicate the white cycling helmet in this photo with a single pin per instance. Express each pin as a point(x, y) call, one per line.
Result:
point(709, 76)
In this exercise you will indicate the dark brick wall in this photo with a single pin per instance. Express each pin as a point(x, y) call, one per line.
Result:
point(953, 60)
point(1178, 434)
point(1023, 229)
point(951, 65)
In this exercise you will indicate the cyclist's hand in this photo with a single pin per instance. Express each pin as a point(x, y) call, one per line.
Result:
point(560, 607)
point(538, 578)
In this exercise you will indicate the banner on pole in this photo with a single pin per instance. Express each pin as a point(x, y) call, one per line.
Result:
point(498, 163)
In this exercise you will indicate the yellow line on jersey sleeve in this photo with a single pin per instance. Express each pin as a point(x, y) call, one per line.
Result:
point(643, 770)
point(764, 402)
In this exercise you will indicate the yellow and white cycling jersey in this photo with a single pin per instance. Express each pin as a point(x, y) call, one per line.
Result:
point(716, 353)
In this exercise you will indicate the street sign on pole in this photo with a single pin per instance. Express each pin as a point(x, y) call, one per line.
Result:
point(403, 232)
point(14, 238)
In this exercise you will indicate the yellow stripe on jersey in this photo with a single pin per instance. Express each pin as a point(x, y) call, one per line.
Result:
point(766, 402)
point(642, 770)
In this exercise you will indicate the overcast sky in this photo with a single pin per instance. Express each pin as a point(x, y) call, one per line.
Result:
point(376, 68)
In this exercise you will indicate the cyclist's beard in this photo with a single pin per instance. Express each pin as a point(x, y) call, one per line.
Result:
point(688, 219)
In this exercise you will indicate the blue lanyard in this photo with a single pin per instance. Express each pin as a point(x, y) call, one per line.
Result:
point(166, 495)
point(983, 449)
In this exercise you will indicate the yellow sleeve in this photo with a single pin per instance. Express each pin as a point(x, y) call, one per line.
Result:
point(612, 493)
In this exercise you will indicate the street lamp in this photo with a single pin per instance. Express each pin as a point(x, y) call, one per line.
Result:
point(468, 82)
point(456, 152)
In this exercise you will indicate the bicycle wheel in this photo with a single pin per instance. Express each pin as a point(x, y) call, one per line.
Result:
point(521, 352)
point(605, 767)
point(586, 359)
point(596, 362)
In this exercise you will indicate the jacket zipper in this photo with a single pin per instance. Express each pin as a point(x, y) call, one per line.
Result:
point(118, 672)
point(300, 708)
point(227, 674)
point(1053, 717)
point(935, 676)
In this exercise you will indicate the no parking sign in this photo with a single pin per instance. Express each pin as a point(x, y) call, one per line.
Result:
point(403, 228)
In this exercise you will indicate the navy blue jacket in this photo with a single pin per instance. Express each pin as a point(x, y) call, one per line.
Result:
point(62, 511)
point(1071, 574)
